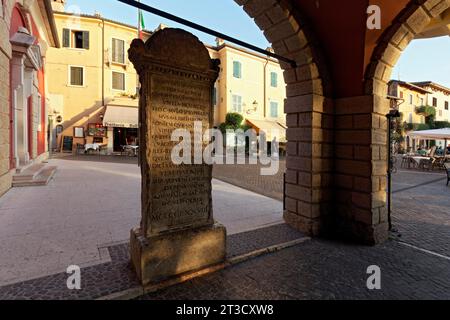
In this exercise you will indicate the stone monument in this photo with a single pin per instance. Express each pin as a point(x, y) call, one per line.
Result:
point(177, 234)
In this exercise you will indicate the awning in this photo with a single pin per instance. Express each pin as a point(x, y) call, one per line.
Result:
point(122, 113)
point(438, 134)
point(272, 129)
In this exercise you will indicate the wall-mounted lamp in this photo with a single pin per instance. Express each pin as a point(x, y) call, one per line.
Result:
point(255, 107)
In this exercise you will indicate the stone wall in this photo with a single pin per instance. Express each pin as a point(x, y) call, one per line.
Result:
point(5, 54)
point(337, 148)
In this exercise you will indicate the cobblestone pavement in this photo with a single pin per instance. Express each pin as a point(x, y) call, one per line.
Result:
point(323, 270)
point(421, 210)
point(116, 276)
point(91, 203)
point(249, 177)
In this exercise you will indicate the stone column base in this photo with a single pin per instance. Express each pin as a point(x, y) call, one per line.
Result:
point(161, 257)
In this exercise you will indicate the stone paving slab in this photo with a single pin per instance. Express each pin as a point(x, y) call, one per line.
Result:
point(421, 210)
point(322, 270)
point(90, 203)
point(116, 276)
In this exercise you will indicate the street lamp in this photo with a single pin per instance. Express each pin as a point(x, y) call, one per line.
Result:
point(393, 114)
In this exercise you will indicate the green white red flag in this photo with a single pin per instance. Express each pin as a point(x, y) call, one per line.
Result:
point(141, 25)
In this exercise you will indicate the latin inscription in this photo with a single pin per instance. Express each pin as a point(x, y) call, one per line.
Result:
point(180, 194)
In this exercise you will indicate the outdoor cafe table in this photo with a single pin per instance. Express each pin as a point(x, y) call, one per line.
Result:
point(93, 146)
point(419, 159)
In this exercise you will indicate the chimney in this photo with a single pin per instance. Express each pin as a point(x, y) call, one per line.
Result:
point(58, 5)
point(161, 27)
point(220, 42)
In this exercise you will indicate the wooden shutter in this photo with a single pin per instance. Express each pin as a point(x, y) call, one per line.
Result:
point(85, 39)
point(66, 38)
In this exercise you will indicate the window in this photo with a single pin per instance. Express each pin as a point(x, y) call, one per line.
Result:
point(237, 103)
point(435, 102)
point(401, 94)
point(76, 76)
point(411, 99)
point(422, 102)
point(118, 51)
point(410, 118)
point(274, 79)
point(75, 39)
point(440, 113)
point(237, 69)
point(274, 109)
point(118, 81)
point(446, 105)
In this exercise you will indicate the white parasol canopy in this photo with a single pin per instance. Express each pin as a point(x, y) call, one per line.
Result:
point(437, 134)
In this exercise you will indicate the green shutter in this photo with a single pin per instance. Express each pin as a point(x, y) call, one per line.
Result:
point(237, 69)
point(274, 109)
point(85, 39)
point(274, 79)
point(66, 38)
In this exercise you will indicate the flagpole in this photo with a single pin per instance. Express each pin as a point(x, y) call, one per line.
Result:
point(139, 22)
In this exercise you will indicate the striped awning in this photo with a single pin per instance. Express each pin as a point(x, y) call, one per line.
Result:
point(272, 129)
point(122, 113)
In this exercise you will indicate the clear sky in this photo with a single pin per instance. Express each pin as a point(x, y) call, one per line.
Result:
point(423, 60)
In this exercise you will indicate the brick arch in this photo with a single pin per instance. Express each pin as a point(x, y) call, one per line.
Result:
point(411, 21)
point(371, 223)
point(309, 113)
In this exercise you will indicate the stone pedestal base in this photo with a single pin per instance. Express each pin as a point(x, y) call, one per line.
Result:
point(161, 257)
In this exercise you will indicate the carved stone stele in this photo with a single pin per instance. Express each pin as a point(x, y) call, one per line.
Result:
point(177, 232)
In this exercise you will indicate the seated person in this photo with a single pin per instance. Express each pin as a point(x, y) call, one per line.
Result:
point(422, 152)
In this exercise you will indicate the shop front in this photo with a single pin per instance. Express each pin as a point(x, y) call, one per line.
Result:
point(121, 120)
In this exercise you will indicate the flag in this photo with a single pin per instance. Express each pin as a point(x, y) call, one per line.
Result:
point(141, 26)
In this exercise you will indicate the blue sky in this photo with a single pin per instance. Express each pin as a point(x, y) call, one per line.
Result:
point(423, 60)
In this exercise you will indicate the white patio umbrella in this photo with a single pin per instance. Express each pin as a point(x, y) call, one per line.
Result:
point(436, 134)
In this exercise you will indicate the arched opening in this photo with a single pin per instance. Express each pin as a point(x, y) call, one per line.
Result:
point(308, 176)
point(410, 99)
point(308, 115)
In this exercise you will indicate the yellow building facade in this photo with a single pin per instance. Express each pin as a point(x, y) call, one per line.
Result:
point(89, 73)
point(411, 97)
point(438, 96)
point(93, 89)
point(249, 84)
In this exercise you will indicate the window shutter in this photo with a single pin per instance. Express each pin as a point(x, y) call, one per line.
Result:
point(66, 38)
point(114, 50)
point(85, 39)
point(237, 69)
point(274, 79)
point(121, 54)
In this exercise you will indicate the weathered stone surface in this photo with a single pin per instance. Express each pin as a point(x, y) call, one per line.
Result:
point(177, 78)
point(160, 257)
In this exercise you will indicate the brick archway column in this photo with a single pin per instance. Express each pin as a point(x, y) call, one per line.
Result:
point(366, 200)
point(309, 116)
point(361, 167)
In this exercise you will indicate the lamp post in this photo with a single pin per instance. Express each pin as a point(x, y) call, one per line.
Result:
point(393, 114)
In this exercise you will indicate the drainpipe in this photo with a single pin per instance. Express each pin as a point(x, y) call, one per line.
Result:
point(265, 87)
point(103, 62)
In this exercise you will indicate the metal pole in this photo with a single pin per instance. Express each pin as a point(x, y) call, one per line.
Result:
point(389, 176)
point(198, 27)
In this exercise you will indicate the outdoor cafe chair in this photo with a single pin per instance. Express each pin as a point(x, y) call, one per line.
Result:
point(427, 164)
point(447, 168)
point(439, 163)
